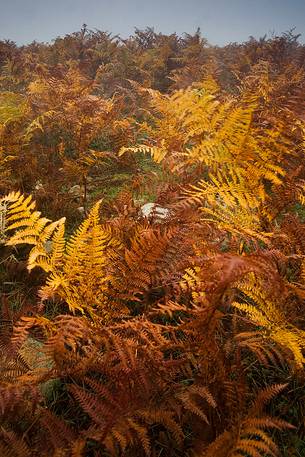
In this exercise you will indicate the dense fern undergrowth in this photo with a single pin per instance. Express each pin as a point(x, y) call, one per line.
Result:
point(175, 333)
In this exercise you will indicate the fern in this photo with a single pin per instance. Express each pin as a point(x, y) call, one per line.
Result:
point(266, 312)
point(85, 255)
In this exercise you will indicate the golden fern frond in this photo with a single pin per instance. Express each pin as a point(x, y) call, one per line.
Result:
point(227, 201)
point(19, 213)
point(157, 152)
point(266, 312)
point(76, 268)
point(85, 272)
point(228, 190)
point(48, 254)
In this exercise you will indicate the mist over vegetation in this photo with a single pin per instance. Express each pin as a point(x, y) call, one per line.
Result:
point(152, 228)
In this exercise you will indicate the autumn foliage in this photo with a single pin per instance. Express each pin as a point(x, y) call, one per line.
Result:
point(125, 334)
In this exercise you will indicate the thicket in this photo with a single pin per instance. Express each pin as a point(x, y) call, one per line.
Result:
point(125, 335)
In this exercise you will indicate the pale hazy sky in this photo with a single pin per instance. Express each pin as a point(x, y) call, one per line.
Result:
point(221, 21)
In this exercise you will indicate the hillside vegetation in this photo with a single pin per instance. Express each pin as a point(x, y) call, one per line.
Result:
point(176, 333)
